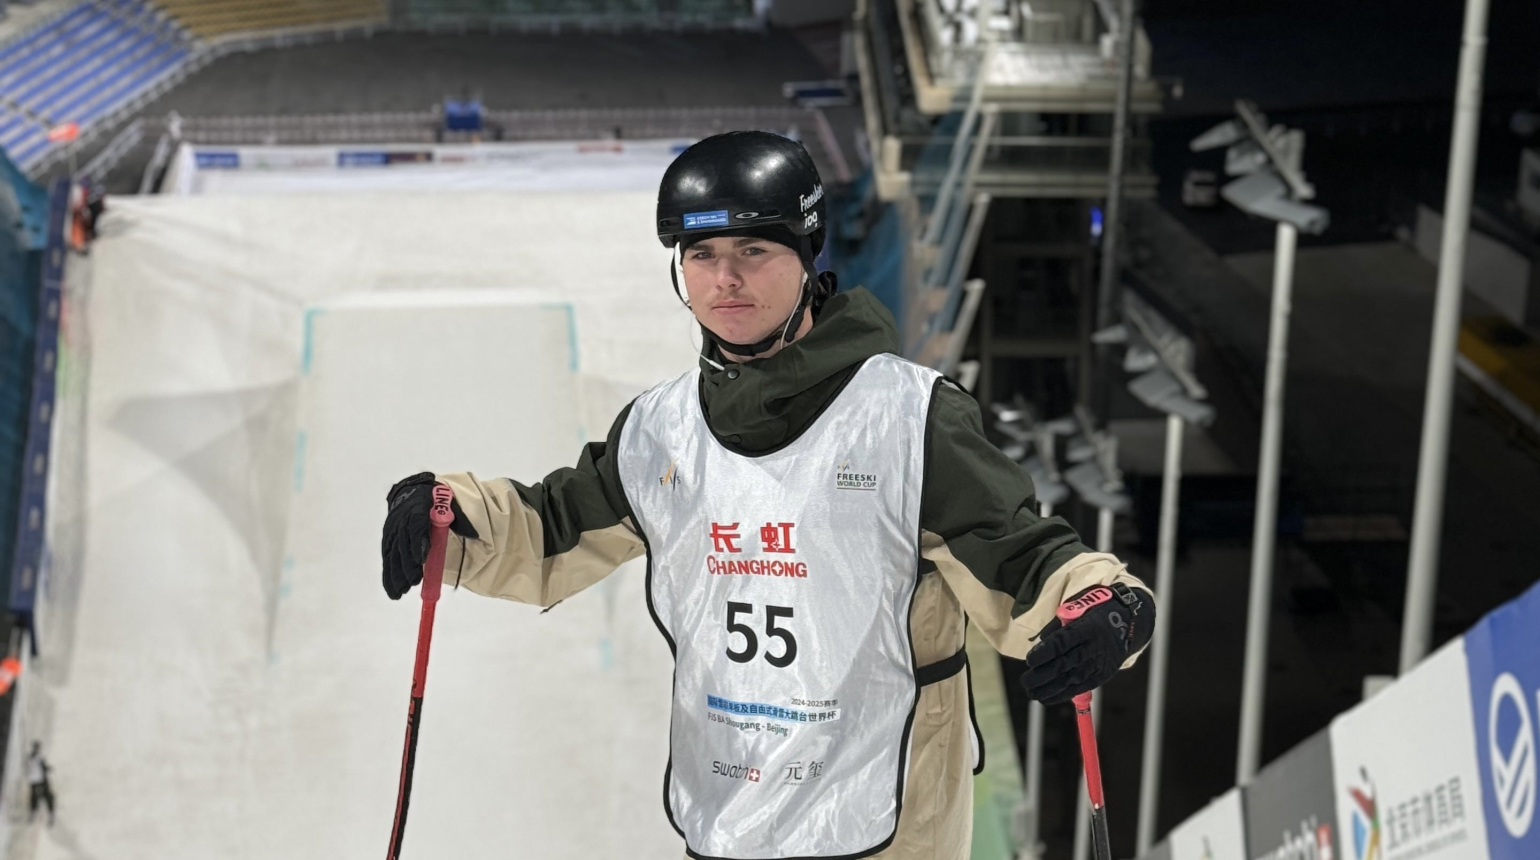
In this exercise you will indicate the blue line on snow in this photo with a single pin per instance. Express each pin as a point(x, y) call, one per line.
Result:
point(307, 351)
point(572, 341)
point(299, 460)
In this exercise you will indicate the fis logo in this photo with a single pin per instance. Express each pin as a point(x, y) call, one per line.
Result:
point(671, 477)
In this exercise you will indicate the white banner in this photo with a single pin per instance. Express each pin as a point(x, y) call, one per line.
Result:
point(1217, 832)
point(609, 165)
point(1404, 763)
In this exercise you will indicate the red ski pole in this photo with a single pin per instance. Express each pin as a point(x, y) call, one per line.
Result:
point(432, 581)
point(1101, 844)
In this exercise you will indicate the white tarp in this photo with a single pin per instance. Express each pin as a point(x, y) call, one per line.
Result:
point(261, 369)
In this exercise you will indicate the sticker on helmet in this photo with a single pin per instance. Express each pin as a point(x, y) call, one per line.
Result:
point(697, 220)
point(807, 201)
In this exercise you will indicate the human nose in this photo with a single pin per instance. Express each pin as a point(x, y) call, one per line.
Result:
point(725, 275)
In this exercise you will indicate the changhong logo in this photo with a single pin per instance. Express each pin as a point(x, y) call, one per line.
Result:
point(846, 478)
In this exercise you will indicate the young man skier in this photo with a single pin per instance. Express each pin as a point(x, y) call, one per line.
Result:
point(819, 517)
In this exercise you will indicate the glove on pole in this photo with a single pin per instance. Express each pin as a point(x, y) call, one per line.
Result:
point(440, 516)
point(1101, 844)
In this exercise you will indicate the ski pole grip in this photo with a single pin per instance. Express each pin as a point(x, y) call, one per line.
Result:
point(440, 516)
point(1088, 751)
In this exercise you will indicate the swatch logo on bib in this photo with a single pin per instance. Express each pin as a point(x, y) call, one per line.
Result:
point(735, 771)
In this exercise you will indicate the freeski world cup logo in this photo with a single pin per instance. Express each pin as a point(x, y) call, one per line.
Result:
point(670, 478)
point(1366, 820)
point(846, 478)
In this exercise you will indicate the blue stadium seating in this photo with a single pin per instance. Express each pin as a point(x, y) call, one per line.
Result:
point(79, 67)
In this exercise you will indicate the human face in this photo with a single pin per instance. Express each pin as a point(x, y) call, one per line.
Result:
point(743, 288)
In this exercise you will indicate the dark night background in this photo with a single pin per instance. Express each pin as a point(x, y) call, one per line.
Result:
point(1371, 82)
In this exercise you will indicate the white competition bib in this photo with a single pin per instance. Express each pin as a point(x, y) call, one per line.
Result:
point(783, 584)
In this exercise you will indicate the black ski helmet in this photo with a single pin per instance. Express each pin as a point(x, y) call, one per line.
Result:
point(740, 182)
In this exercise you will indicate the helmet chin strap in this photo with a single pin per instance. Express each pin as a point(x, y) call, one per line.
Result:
point(812, 294)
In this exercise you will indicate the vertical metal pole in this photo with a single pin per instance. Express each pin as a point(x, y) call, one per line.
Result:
point(1033, 789)
point(1104, 518)
point(1103, 535)
point(1433, 458)
point(1160, 650)
point(1107, 287)
point(1264, 531)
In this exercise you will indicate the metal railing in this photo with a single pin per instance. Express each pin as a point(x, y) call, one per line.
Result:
point(585, 15)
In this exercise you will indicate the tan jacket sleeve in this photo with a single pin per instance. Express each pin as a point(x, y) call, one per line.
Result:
point(1009, 567)
point(992, 611)
point(542, 543)
point(511, 558)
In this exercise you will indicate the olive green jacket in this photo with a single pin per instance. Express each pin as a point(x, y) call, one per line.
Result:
point(984, 550)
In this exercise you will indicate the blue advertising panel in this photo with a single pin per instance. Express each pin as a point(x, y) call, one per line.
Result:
point(1504, 655)
point(27, 556)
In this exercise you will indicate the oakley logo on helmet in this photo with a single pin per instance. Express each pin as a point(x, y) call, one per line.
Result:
point(806, 201)
point(744, 216)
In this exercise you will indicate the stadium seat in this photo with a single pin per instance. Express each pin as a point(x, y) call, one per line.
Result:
point(80, 67)
point(215, 18)
point(576, 12)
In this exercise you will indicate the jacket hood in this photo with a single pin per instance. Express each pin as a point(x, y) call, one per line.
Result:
point(761, 404)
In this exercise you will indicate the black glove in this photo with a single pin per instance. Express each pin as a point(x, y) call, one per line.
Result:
point(1085, 653)
point(404, 544)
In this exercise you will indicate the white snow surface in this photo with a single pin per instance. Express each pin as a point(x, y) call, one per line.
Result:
point(222, 675)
